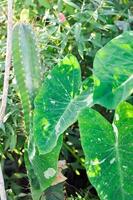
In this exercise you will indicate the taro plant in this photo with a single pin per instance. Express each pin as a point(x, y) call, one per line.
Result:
point(52, 105)
point(108, 151)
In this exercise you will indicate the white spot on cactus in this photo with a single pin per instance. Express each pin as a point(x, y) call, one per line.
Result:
point(49, 173)
point(49, 76)
point(21, 56)
point(32, 34)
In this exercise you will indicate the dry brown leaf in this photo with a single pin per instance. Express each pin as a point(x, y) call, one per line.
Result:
point(60, 177)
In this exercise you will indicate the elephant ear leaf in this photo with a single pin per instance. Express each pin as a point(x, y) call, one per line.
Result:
point(58, 103)
point(113, 71)
point(108, 152)
point(42, 169)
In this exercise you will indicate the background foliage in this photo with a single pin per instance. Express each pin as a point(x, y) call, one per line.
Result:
point(80, 27)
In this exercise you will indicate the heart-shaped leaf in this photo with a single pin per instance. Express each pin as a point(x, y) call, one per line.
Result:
point(113, 71)
point(109, 152)
point(58, 103)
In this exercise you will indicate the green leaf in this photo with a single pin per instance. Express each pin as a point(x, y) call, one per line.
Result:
point(42, 169)
point(70, 3)
point(13, 137)
point(79, 39)
point(60, 5)
point(55, 192)
point(58, 103)
point(108, 152)
point(45, 3)
point(113, 71)
point(26, 66)
point(33, 179)
point(24, 15)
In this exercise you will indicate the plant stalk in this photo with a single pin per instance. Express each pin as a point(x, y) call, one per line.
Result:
point(6, 82)
point(8, 60)
point(2, 186)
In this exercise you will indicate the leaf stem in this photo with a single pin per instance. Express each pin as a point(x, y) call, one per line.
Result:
point(2, 186)
point(73, 154)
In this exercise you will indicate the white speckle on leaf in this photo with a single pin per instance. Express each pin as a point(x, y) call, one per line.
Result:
point(101, 193)
point(112, 161)
point(89, 100)
point(57, 127)
point(49, 173)
point(125, 167)
point(99, 139)
point(53, 102)
point(97, 162)
point(98, 187)
point(105, 197)
point(32, 154)
point(117, 117)
point(105, 183)
point(49, 76)
point(45, 127)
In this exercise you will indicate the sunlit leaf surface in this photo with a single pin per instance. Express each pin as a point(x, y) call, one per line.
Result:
point(113, 71)
point(108, 152)
point(58, 103)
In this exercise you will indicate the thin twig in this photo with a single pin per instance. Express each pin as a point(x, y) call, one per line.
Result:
point(2, 186)
point(6, 83)
point(8, 60)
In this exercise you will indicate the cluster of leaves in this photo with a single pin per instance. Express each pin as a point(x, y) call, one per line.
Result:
point(70, 100)
point(88, 26)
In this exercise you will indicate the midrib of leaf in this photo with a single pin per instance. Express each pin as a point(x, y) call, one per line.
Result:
point(119, 87)
point(124, 83)
point(116, 132)
point(88, 101)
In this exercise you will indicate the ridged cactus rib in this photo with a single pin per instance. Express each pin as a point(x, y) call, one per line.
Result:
point(27, 67)
point(20, 76)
